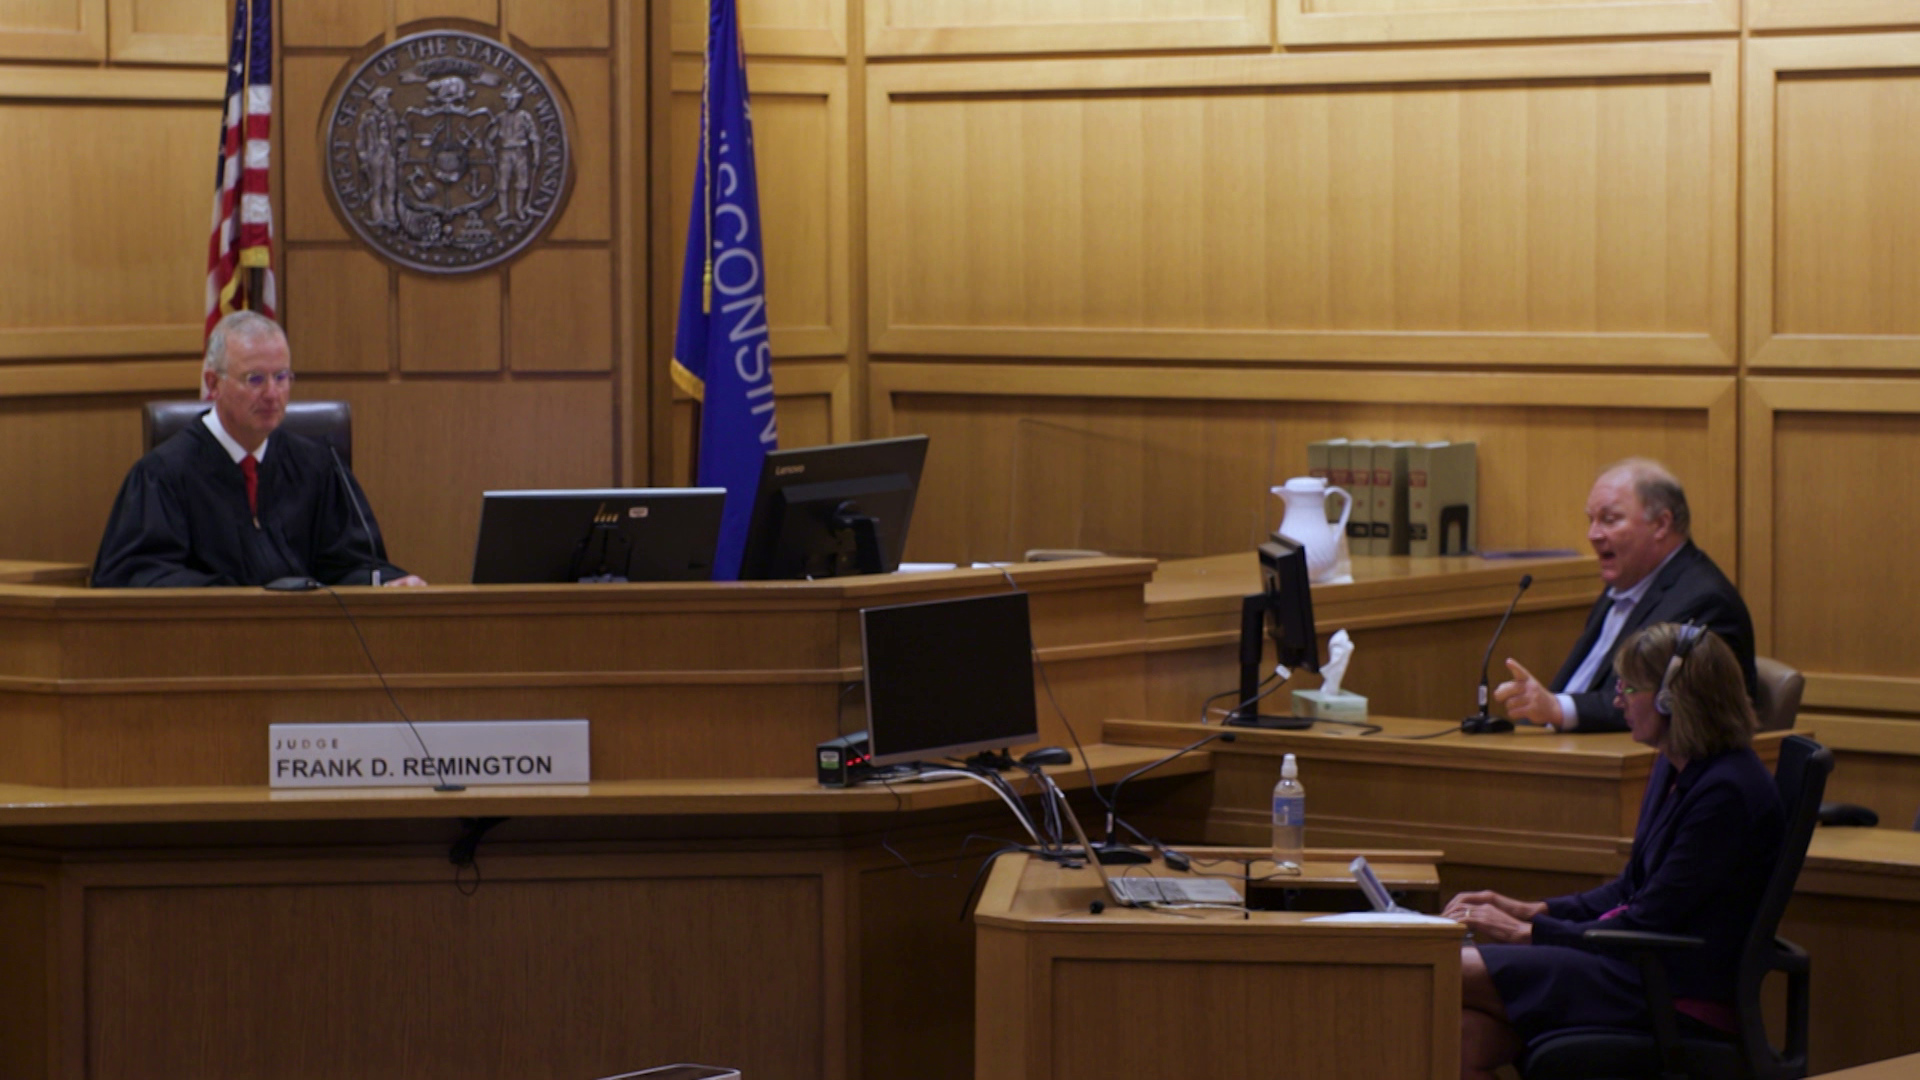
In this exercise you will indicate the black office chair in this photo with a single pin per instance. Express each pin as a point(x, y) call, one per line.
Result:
point(1678, 1048)
point(328, 422)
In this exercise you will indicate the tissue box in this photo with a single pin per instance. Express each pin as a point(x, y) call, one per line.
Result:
point(1320, 705)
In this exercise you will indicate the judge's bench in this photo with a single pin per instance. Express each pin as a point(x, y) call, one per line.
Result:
point(163, 912)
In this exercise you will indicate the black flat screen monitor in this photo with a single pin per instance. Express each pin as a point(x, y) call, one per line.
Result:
point(948, 678)
point(1283, 609)
point(605, 535)
point(831, 511)
point(1289, 591)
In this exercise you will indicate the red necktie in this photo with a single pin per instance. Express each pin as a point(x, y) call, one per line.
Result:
point(252, 471)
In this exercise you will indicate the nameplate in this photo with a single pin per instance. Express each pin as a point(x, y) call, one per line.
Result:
point(468, 752)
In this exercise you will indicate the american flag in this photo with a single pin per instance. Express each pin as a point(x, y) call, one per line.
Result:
point(242, 211)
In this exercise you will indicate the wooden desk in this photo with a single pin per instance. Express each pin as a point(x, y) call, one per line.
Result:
point(1062, 994)
point(23, 572)
point(1420, 627)
point(243, 932)
point(1528, 801)
point(157, 687)
point(1903, 1068)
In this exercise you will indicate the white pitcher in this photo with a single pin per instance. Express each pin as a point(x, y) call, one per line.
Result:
point(1306, 524)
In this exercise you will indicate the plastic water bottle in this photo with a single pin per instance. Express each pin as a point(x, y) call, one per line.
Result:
point(1289, 815)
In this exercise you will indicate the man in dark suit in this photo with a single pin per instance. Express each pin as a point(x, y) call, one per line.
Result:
point(1637, 522)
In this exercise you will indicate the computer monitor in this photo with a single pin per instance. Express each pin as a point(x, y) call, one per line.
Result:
point(603, 535)
point(1283, 610)
point(948, 678)
point(830, 511)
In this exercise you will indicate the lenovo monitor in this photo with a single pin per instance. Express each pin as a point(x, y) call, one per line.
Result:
point(604, 535)
point(831, 511)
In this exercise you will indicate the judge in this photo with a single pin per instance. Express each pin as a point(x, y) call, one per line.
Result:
point(233, 501)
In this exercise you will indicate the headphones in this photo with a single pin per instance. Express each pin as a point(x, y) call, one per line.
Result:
point(1687, 637)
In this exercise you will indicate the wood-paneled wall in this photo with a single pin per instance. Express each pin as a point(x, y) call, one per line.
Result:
point(512, 378)
point(1124, 260)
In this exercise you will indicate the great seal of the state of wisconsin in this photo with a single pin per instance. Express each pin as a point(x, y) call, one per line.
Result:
point(447, 152)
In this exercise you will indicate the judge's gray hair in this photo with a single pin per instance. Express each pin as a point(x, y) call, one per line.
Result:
point(1659, 490)
point(240, 324)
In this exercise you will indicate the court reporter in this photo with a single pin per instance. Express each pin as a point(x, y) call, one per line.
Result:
point(1709, 834)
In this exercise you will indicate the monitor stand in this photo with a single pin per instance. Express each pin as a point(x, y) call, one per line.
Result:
point(593, 556)
point(866, 537)
point(1253, 622)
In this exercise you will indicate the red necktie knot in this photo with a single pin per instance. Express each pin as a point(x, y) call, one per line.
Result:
point(251, 469)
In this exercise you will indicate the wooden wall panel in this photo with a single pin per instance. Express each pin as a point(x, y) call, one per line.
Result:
point(1177, 462)
point(305, 82)
point(813, 403)
point(169, 31)
point(800, 151)
point(561, 24)
point(560, 310)
point(106, 240)
point(54, 30)
point(934, 27)
point(1570, 206)
point(1816, 459)
point(1826, 14)
point(284, 975)
point(450, 323)
point(1833, 232)
point(26, 957)
point(480, 11)
point(336, 24)
point(425, 449)
point(1367, 22)
point(587, 85)
point(339, 315)
point(64, 461)
point(770, 27)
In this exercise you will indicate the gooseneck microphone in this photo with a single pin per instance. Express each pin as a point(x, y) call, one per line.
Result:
point(1112, 851)
point(1483, 722)
point(346, 482)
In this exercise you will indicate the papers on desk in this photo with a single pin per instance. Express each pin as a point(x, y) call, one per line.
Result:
point(1384, 918)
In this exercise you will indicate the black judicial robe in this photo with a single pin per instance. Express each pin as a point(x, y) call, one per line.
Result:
point(181, 519)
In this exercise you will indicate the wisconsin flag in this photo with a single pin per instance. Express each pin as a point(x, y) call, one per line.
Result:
point(721, 353)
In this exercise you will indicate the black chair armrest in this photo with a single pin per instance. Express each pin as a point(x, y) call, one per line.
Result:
point(1789, 958)
point(1851, 815)
point(1648, 949)
point(1634, 941)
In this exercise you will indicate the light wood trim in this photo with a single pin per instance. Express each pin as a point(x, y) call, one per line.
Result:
point(110, 84)
point(1877, 693)
point(1864, 734)
point(112, 377)
point(689, 36)
point(1810, 14)
point(833, 380)
point(1302, 24)
point(1717, 61)
point(1766, 398)
point(127, 43)
point(86, 41)
point(1766, 60)
point(114, 341)
point(1252, 26)
point(830, 83)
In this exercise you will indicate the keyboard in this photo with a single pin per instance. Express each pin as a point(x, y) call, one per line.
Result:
point(1159, 890)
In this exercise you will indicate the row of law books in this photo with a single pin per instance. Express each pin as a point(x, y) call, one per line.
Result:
point(1409, 498)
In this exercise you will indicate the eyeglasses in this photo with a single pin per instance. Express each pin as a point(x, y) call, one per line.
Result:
point(257, 381)
point(1621, 688)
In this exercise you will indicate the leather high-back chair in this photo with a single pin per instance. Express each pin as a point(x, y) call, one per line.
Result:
point(1595, 1053)
point(1780, 689)
point(328, 422)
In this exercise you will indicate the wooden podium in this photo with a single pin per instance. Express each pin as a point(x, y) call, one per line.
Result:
point(1063, 994)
